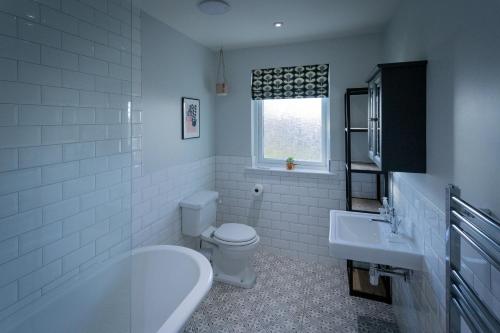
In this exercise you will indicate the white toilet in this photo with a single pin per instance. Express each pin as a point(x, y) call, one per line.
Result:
point(233, 244)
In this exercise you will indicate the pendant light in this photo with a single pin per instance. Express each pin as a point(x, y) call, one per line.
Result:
point(221, 87)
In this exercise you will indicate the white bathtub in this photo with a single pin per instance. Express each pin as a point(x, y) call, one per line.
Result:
point(156, 289)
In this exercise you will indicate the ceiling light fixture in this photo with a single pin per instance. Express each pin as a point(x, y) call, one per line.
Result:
point(278, 24)
point(214, 7)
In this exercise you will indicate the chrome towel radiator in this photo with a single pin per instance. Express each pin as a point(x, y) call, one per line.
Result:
point(482, 232)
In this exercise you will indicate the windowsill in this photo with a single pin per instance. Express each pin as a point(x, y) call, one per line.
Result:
point(286, 171)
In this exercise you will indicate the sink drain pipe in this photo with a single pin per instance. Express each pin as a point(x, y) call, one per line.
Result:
point(376, 271)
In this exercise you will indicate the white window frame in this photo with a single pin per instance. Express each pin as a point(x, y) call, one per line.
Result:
point(258, 148)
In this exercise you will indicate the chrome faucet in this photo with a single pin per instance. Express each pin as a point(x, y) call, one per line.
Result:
point(389, 216)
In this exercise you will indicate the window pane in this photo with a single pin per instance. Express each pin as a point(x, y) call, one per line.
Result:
point(292, 128)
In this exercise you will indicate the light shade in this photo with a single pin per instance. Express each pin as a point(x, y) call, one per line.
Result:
point(214, 7)
point(221, 89)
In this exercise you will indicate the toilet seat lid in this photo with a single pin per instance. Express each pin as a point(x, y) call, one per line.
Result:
point(235, 233)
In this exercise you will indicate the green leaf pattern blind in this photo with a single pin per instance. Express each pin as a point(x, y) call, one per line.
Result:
point(290, 82)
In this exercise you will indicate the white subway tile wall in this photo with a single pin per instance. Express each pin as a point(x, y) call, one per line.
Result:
point(364, 185)
point(156, 215)
point(420, 304)
point(66, 79)
point(292, 215)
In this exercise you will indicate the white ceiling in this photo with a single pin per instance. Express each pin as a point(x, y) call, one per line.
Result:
point(249, 23)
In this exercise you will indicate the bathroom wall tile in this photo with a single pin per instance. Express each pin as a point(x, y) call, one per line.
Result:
point(93, 66)
point(108, 179)
point(120, 72)
point(9, 249)
point(39, 278)
point(20, 136)
point(60, 172)
point(60, 210)
point(59, 134)
point(8, 24)
point(288, 208)
point(78, 151)
point(8, 295)
point(106, 22)
point(76, 44)
point(39, 34)
point(37, 238)
point(108, 147)
point(94, 231)
point(420, 219)
point(40, 115)
point(91, 32)
point(77, 80)
point(41, 155)
point(8, 159)
point(59, 58)
point(119, 13)
point(109, 240)
point(8, 70)
point(61, 247)
point(19, 49)
point(78, 222)
point(23, 265)
point(59, 96)
point(8, 114)
point(79, 115)
point(18, 93)
point(57, 20)
point(79, 186)
point(108, 54)
point(52, 78)
point(9, 205)
point(93, 165)
point(110, 85)
point(39, 196)
point(56, 4)
point(94, 199)
point(78, 257)
point(93, 132)
point(78, 9)
point(23, 8)
point(21, 223)
point(14, 181)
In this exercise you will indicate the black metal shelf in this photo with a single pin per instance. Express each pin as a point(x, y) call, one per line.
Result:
point(364, 167)
point(357, 130)
point(362, 205)
point(358, 204)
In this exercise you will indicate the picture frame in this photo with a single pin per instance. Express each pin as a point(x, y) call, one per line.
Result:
point(190, 118)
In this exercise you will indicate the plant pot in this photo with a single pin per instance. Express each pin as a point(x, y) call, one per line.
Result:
point(290, 166)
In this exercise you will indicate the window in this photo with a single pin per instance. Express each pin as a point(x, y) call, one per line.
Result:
point(297, 128)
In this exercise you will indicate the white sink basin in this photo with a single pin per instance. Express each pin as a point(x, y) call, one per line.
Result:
point(355, 236)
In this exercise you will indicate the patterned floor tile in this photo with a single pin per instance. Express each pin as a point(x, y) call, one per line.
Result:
point(291, 295)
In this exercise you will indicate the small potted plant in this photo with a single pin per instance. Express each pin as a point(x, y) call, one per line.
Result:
point(290, 163)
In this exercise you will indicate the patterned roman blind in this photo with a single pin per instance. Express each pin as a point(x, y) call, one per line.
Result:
point(290, 82)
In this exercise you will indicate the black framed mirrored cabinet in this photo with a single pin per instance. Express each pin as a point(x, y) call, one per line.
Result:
point(397, 116)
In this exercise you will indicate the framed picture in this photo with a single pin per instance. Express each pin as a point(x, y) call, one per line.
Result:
point(190, 118)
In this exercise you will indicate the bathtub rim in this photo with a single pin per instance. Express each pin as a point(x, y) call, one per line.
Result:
point(179, 318)
point(175, 320)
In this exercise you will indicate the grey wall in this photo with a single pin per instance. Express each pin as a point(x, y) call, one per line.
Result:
point(461, 41)
point(351, 60)
point(174, 66)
